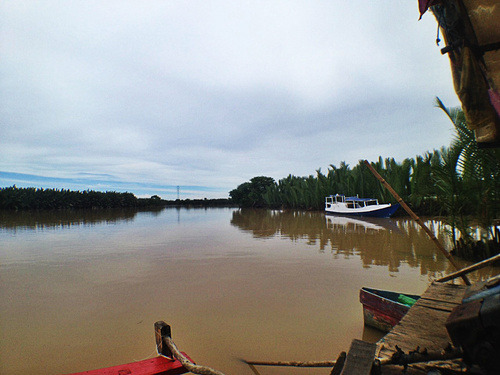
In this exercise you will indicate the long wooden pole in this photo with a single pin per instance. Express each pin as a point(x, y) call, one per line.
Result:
point(254, 370)
point(414, 357)
point(291, 363)
point(471, 268)
point(417, 219)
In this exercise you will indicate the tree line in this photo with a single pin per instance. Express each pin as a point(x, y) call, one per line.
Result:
point(14, 198)
point(460, 182)
point(38, 198)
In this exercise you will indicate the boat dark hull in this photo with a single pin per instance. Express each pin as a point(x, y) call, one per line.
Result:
point(381, 309)
point(382, 212)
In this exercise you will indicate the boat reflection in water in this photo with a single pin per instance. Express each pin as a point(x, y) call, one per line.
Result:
point(392, 243)
point(360, 224)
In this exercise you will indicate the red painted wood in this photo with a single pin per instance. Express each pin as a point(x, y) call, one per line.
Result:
point(379, 320)
point(153, 366)
point(380, 312)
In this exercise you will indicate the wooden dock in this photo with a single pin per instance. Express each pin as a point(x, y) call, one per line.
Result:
point(421, 336)
point(423, 326)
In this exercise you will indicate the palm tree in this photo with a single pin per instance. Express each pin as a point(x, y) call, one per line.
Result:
point(474, 171)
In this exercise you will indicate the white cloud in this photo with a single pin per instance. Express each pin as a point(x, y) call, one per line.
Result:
point(209, 93)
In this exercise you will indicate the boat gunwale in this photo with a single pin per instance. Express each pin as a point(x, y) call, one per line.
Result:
point(370, 291)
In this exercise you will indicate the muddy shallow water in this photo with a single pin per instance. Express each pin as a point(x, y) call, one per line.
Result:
point(82, 290)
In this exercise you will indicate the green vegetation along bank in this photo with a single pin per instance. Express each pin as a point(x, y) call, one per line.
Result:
point(14, 198)
point(460, 182)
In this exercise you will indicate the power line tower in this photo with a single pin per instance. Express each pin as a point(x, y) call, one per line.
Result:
point(178, 192)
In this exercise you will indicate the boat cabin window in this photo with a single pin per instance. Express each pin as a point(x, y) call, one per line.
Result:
point(339, 198)
point(350, 204)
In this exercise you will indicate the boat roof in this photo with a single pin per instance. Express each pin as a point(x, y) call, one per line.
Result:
point(356, 199)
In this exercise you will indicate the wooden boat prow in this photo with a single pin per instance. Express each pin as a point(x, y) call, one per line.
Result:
point(152, 366)
point(170, 360)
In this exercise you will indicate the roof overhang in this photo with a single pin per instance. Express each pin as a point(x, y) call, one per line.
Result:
point(472, 34)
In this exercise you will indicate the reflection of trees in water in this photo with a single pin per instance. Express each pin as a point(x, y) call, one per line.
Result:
point(378, 242)
point(64, 218)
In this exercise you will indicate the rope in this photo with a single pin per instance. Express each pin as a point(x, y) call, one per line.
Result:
point(153, 354)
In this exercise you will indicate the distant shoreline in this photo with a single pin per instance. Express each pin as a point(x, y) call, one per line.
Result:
point(14, 198)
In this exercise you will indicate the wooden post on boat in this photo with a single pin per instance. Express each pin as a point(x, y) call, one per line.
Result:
point(166, 347)
point(162, 330)
point(417, 219)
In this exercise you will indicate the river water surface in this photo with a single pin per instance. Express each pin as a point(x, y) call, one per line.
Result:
point(82, 290)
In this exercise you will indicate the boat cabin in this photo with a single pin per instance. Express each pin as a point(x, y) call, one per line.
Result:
point(349, 202)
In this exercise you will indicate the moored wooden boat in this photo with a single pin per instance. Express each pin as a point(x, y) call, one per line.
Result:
point(170, 360)
point(383, 309)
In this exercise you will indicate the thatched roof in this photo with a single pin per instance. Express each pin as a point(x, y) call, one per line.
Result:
point(472, 35)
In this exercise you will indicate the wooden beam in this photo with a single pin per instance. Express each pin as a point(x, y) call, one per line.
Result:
point(469, 269)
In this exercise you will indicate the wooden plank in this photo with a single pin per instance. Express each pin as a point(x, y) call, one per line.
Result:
point(424, 324)
point(359, 360)
point(438, 305)
point(153, 366)
point(422, 327)
point(445, 292)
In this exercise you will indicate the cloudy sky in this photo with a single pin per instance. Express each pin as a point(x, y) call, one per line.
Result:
point(145, 96)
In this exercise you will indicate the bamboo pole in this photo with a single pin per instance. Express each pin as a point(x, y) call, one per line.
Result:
point(400, 358)
point(254, 370)
point(291, 363)
point(469, 269)
point(418, 357)
point(417, 219)
point(167, 348)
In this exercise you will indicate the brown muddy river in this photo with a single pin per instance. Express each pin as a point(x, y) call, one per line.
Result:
point(82, 290)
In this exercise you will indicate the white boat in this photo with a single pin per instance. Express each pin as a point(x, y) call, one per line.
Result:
point(339, 204)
